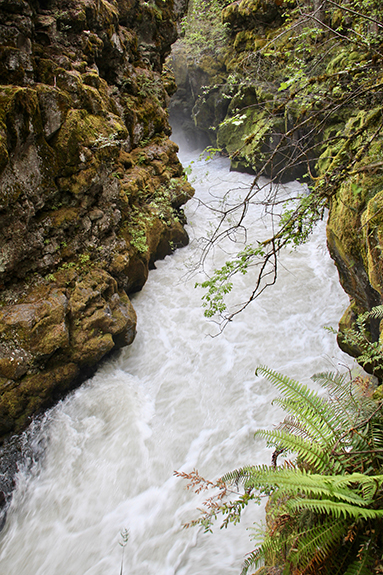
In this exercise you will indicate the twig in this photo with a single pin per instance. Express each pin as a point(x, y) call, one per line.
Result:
point(356, 13)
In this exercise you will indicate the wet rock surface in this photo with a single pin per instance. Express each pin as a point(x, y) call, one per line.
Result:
point(91, 188)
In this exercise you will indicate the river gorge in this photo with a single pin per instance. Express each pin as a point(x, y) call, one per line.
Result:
point(111, 377)
point(176, 399)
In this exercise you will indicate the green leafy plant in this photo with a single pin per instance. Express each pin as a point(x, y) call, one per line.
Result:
point(296, 225)
point(305, 101)
point(359, 337)
point(150, 85)
point(209, 153)
point(220, 284)
point(325, 511)
point(202, 28)
point(138, 239)
point(137, 230)
point(83, 259)
point(50, 278)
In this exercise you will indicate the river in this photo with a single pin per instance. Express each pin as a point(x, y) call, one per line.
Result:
point(176, 399)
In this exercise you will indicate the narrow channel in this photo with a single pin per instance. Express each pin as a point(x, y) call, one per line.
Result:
point(176, 399)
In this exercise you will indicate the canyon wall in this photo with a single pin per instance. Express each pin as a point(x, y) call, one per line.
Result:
point(91, 188)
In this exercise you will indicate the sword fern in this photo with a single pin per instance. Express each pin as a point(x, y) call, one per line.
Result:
point(325, 510)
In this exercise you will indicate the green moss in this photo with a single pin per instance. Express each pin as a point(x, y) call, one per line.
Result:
point(7, 94)
point(107, 13)
point(46, 70)
point(378, 393)
point(92, 79)
point(343, 59)
point(372, 225)
point(345, 218)
point(84, 129)
point(4, 156)
point(245, 40)
point(93, 101)
point(19, 103)
point(11, 403)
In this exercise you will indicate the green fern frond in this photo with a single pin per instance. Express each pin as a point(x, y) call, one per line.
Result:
point(272, 550)
point(358, 568)
point(252, 560)
point(300, 394)
point(349, 402)
point(298, 482)
point(335, 508)
point(364, 563)
point(319, 541)
point(306, 422)
point(367, 485)
point(312, 453)
point(323, 504)
point(341, 394)
point(243, 474)
point(356, 489)
point(346, 392)
point(375, 313)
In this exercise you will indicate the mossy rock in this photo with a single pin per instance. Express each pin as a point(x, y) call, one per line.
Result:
point(169, 81)
point(344, 220)
point(93, 101)
point(252, 14)
point(348, 243)
point(68, 135)
point(355, 222)
point(54, 105)
point(250, 137)
point(245, 40)
point(37, 392)
point(240, 134)
point(210, 111)
point(344, 58)
point(372, 225)
point(84, 129)
point(347, 322)
point(19, 113)
point(16, 66)
point(4, 156)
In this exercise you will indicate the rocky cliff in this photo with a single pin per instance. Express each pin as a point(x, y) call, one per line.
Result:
point(296, 89)
point(90, 186)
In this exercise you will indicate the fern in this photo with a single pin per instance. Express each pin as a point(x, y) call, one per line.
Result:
point(252, 560)
point(304, 403)
point(375, 313)
point(311, 452)
point(315, 544)
point(299, 481)
point(359, 337)
point(362, 565)
point(341, 394)
point(335, 508)
point(325, 510)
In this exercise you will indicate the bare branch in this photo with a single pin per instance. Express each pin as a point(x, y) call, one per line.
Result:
point(346, 9)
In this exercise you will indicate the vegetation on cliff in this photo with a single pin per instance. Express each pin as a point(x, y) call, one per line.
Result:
point(325, 503)
point(297, 93)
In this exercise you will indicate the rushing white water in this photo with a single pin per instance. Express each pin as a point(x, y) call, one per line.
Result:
point(177, 399)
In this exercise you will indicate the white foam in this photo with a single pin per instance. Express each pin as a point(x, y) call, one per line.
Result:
point(176, 399)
